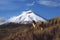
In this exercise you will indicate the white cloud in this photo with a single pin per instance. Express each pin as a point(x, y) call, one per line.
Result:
point(49, 3)
point(30, 4)
point(9, 7)
point(9, 4)
point(2, 19)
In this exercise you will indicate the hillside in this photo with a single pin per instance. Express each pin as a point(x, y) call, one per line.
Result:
point(50, 31)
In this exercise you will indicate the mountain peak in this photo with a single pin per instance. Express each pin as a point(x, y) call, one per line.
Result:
point(26, 17)
point(29, 11)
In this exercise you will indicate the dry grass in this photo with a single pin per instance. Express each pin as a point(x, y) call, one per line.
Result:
point(49, 32)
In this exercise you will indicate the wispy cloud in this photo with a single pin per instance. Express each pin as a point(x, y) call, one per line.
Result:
point(30, 4)
point(9, 4)
point(49, 3)
point(2, 19)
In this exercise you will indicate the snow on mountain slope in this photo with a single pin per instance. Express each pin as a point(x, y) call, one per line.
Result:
point(26, 16)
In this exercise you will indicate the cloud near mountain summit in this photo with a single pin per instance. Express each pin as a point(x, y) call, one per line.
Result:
point(51, 3)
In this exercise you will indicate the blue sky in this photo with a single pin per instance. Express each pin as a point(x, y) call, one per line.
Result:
point(45, 8)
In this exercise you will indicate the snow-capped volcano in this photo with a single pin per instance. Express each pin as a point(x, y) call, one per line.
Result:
point(26, 16)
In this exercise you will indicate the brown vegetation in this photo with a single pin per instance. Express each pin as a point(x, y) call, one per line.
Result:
point(51, 31)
